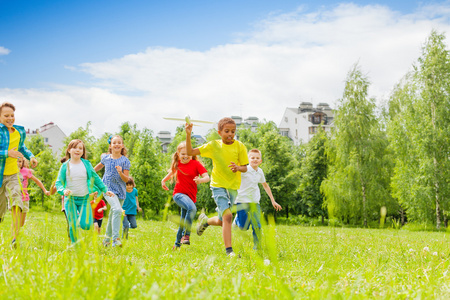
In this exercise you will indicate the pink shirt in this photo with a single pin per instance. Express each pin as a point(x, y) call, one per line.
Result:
point(26, 174)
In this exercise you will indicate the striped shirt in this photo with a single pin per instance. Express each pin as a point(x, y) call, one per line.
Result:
point(111, 178)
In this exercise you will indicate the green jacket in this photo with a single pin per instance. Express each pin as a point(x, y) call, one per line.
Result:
point(94, 182)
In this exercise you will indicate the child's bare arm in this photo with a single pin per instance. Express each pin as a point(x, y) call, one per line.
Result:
point(167, 177)
point(39, 183)
point(235, 168)
point(203, 179)
point(189, 150)
point(123, 173)
point(269, 193)
point(137, 204)
point(98, 167)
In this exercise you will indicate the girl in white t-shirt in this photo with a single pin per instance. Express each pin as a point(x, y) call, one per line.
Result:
point(76, 181)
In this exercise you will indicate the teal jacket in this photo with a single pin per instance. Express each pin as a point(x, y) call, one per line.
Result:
point(94, 182)
point(4, 145)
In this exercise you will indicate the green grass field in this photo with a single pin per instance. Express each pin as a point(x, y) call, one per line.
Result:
point(305, 262)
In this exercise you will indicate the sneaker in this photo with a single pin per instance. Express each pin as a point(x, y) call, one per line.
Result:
point(117, 243)
point(13, 244)
point(106, 242)
point(202, 223)
point(185, 240)
point(232, 254)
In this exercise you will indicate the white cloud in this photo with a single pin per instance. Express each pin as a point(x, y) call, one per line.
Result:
point(286, 59)
point(4, 51)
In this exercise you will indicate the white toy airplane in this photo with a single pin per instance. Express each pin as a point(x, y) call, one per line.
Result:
point(188, 120)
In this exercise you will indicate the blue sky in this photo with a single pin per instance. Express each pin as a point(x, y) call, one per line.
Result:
point(115, 61)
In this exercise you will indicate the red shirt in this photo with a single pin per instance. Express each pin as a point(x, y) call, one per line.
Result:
point(185, 178)
point(98, 215)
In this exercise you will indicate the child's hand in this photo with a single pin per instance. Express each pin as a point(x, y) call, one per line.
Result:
point(139, 209)
point(119, 169)
point(47, 193)
point(233, 167)
point(188, 128)
point(110, 194)
point(13, 153)
point(67, 192)
point(197, 180)
point(33, 162)
point(277, 206)
point(100, 210)
point(164, 186)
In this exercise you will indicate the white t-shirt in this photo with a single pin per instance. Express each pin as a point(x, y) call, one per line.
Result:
point(77, 179)
point(249, 190)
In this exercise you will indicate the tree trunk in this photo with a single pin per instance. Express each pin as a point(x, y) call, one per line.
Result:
point(438, 208)
point(287, 212)
point(364, 204)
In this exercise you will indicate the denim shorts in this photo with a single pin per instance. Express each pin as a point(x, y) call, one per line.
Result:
point(99, 222)
point(224, 199)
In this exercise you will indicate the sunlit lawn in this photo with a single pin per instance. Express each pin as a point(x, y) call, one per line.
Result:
point(305, 262)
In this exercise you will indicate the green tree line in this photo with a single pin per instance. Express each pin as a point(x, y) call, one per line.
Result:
point(388, 156)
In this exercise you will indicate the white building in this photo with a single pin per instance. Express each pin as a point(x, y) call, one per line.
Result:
point(250, 122)
point(301, 123)
point(53, 136)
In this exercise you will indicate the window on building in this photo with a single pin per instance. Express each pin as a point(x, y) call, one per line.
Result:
point(295, 120)
point(286, 119)
point(296, 132)
point(46, 140)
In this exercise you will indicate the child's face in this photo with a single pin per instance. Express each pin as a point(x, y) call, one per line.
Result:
point(184, 158)
point(130, 188)
point(19, 162)
point(77, 151)
point(7, 117)
point(227, 133)
point(255, 159)
point(116, 145)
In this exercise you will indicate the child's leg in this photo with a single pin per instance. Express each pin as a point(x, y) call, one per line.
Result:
point(114, 220)
point(242, 220)
point(224, 199)
point(13, 193)
point(126, 227)
point(26, 209)
point(3, 202)
point(96, 228)
point(181, 228)
point(67, 221)
point(85, 213)
point(255, 220)
point(187, 204)
point(71, 213)
point(132, 220)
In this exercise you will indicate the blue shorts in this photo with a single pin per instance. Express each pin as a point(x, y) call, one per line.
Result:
point(224, 199)
point(99, 222)
point(248, 214)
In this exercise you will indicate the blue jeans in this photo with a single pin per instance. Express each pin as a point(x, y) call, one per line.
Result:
point(224, 199)
point(114, 218)
point(188, 211)
point(79, 213)
point(250, 213)
point(129, 221)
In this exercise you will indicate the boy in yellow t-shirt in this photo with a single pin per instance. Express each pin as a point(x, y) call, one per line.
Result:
point(229, 160)
point(12, 138)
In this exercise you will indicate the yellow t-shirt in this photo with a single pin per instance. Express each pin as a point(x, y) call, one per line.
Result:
point(11, 163)
point(222, 155)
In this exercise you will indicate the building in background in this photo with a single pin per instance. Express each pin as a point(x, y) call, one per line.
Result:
point(301, 123)
point(53, 136)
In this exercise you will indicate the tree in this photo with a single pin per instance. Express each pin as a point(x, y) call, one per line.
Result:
point(313, 171)
point(148, 168)
point(355, 184)
point(47, 168)
point(419, 132)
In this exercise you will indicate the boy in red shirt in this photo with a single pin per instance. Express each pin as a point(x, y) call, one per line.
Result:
point(98, 209)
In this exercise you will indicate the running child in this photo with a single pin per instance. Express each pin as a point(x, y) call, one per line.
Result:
point(98, 208)
point(230, 159)
point(117, 168)
point(189, 172)
point(130, 206)
point(12, 146)
point(26, 174)
point(248, 207)
point(77, 180)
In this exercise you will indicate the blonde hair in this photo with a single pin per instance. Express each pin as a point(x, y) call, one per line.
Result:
point(255, 151)
point(24, 163)
point(124, 150)
point(176, 159)
point(73, 144)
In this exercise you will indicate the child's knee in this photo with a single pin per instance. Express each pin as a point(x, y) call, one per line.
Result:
point(133, 226)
